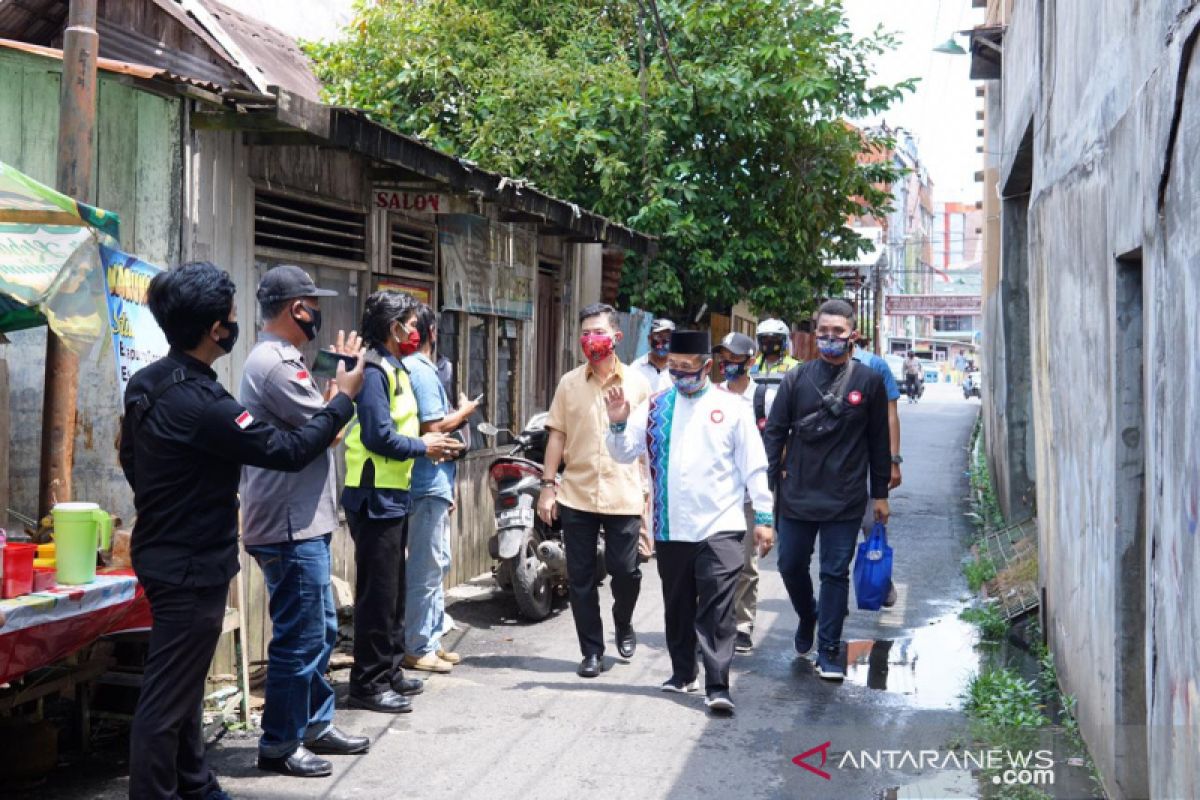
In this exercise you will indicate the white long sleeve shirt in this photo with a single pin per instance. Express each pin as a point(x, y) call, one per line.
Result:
point(705, 455)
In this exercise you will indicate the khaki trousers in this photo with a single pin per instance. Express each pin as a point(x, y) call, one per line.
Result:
point(745, 596)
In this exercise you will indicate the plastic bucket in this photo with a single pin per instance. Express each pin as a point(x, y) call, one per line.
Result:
point(18, 569)
point(79, 530)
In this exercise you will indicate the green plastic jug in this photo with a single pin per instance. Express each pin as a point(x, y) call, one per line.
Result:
point(79, 529)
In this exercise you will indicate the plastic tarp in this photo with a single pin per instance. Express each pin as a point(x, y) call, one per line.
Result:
point(50, 266)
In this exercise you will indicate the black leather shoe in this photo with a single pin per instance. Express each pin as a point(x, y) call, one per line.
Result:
point(626, 641)
point(386, 702)
point(591, 667)
point(409, 687)
point(335, 742)
point(300, 764)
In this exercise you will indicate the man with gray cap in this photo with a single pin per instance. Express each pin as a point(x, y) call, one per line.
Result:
point(653, 365)
point(735, 356)
point(288, 519)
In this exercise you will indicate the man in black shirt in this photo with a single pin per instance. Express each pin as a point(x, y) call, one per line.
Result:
point(184, 440)
point(827, 431)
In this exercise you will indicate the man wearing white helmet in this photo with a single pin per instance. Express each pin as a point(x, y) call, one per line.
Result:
point(774, 343)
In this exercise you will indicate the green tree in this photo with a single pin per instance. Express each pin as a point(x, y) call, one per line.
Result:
point(719, 126)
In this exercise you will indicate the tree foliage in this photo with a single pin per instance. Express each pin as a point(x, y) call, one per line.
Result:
point(721, 130)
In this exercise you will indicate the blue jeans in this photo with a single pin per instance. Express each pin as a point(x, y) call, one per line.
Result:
point(300, 701)
point(796, 542)
point(425, 575)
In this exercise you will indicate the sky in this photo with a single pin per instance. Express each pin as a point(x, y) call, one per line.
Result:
point(941, 112)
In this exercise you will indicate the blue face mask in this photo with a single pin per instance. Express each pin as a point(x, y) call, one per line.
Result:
point(690, 382)
point(832, 347)
point(661, 352)
point(733, 371)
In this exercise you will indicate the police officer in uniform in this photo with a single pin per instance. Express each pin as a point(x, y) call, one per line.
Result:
point(184, 440)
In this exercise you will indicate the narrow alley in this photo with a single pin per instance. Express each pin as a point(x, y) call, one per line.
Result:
point(514, 721)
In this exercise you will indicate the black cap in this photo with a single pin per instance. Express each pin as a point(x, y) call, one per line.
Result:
point(691, 343)
point(286, 282)
point(738, 344)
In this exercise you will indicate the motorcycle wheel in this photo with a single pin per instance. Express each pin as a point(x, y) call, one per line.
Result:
point(531, 581)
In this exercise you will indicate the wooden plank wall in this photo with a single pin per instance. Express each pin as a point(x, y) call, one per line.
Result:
point(137, 175)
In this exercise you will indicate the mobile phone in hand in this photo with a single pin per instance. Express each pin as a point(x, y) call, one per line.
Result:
point(325, 365)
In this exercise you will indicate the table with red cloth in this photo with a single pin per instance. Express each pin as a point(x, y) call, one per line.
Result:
point(39, 629)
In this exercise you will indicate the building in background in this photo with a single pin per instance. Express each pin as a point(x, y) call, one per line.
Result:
point(1091, 320)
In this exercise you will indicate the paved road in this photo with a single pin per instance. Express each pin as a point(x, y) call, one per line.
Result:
point(515, 722)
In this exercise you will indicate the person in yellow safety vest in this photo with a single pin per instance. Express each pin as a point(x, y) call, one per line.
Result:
point(383, 441)
point(774, 343)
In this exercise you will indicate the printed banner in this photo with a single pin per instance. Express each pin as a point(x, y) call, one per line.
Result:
point(137, 339)
point(932, 304)
point(488, 267)
point(50, 266)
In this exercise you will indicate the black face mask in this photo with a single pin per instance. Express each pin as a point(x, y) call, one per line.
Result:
point(771, 347)
point(227, 341)
point(312, 326)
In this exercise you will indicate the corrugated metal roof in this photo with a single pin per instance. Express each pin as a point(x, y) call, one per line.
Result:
point(122, 44)
point(143, 71)
point(37, 21)
point(273, 52)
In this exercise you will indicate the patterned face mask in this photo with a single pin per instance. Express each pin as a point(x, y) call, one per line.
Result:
point(733, 371)
point(690, 382)
point(596, 346)
point(832, 346)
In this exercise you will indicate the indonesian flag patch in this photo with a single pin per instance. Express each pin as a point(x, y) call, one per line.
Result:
point(302, 375)
point(854, 397)
point(244, 419)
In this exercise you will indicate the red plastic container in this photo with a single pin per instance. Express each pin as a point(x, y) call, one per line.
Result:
point(18, 569)
point(44, 578)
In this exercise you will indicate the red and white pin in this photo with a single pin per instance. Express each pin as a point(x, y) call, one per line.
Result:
point(717, 416)
point(244, 420)
point(855, 397)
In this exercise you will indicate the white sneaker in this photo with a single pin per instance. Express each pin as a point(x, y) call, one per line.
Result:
point(678, 687)
point(719, 701)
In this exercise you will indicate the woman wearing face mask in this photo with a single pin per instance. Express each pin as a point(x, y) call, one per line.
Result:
point(380, 449)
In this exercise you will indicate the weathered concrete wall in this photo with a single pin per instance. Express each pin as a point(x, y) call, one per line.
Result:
point(1110, 91)
point(137, 175)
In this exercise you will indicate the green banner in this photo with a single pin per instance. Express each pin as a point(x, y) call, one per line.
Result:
point(50, 267)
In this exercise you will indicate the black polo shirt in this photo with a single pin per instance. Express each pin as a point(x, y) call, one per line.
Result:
point(826, 481)
point(184, 440)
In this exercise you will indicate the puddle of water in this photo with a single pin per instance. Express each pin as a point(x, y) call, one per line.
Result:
point(930, 669)
point(939, 785)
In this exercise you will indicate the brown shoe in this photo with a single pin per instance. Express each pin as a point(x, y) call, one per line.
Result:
point(449, 658)
point(427, 663)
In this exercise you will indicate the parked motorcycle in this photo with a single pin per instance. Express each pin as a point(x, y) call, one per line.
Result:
point(532, 556)
point(971, 385)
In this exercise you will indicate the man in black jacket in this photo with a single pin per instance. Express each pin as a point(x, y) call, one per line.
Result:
point(827, 431)
point(184, 440)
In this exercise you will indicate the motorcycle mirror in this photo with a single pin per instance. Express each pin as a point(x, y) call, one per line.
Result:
point(487, 429)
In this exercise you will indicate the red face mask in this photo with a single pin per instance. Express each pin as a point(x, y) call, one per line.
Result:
point(596, 346)
point(410, 345)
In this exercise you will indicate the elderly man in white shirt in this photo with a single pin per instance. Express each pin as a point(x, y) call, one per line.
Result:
point(705, 455)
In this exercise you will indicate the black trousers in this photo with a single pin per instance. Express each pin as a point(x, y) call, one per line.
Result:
point(699, 582)
point(581, 533)
point(378, 602)
point(167, 741)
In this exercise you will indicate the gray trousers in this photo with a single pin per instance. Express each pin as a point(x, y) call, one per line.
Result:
point(745, 597)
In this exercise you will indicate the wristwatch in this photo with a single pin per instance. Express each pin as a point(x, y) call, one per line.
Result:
point(897, 459)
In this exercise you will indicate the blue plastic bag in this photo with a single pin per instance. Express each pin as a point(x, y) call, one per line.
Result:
point(873, 569)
